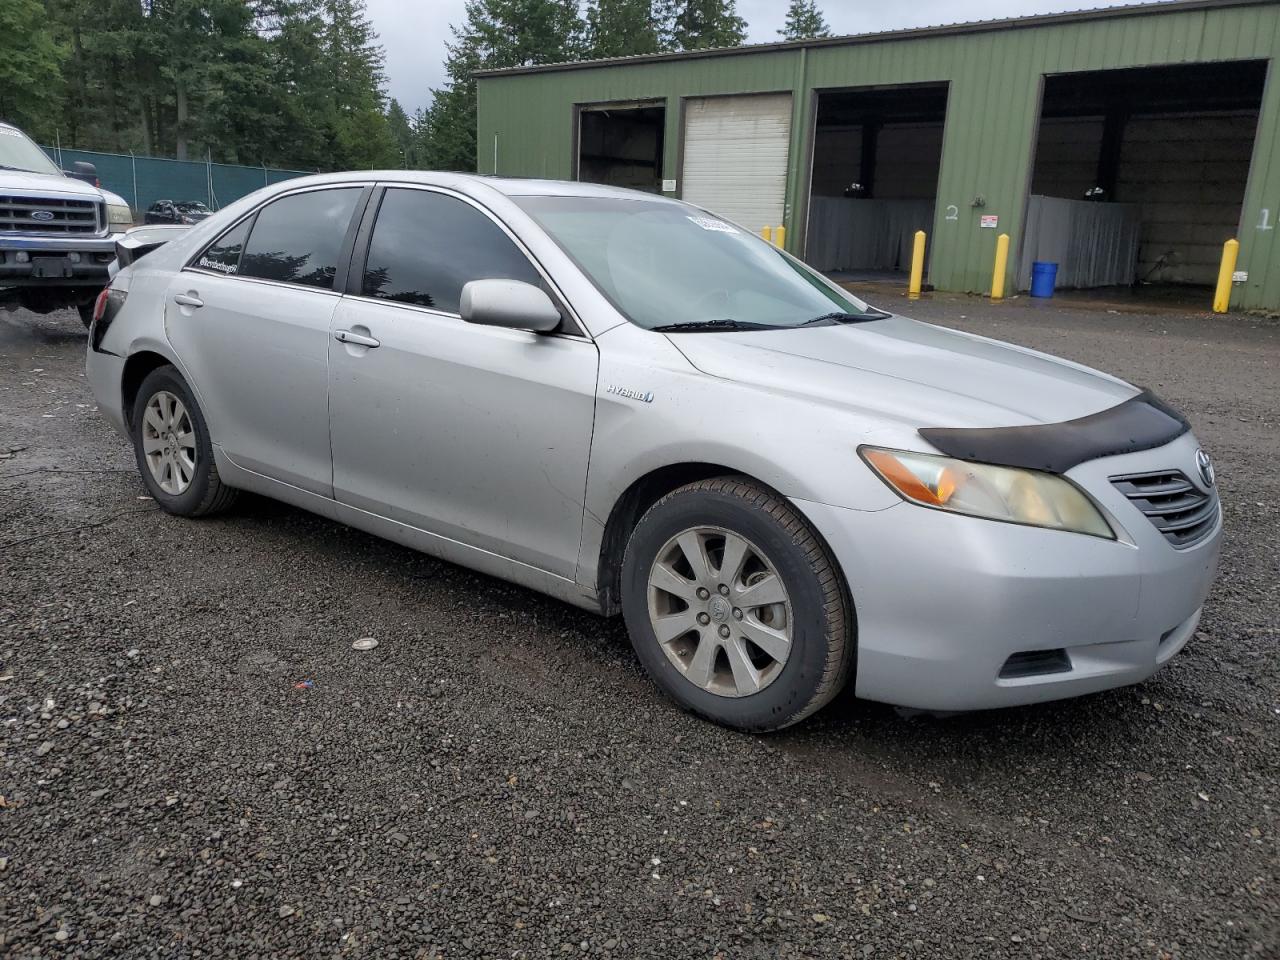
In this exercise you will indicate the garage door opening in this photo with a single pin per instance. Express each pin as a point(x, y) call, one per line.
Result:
point(621, 145)
point(1140, 176)
point(877, 154)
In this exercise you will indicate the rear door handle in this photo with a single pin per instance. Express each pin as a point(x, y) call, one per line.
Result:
point(358, 339)
point(188, 300)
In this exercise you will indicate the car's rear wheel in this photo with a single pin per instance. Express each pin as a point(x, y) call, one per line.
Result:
point(735, 607)
point(173, 449)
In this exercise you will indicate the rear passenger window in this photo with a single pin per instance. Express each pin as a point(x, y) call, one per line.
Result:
point(223, 255)
point(426, 245)
point(297, 239)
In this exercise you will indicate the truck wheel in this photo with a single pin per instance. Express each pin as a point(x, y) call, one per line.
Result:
point(735, 607)
point(86, 313)
point(174, 453)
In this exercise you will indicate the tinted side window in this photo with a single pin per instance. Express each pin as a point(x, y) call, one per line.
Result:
point(425, 246)
point(297, 239)
point(223, 255)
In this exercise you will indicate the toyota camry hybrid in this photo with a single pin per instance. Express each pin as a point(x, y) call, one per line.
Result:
point(638, 407)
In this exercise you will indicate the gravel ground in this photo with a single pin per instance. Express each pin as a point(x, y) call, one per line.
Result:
point(498, 779)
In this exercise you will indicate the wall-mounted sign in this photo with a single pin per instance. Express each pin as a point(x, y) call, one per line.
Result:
point(1240, 276)
point(668, 186)
point(989, 221)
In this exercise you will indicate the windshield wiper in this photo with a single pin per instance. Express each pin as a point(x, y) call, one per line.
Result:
point(711, 326)
point(842, 317)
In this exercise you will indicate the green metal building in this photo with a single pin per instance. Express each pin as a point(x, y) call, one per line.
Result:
point(1126, 144)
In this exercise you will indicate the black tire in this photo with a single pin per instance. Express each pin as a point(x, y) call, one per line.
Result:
point(823, 646)
point(86, 313)
point(207, 494)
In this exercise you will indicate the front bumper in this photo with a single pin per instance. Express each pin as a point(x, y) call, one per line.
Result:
point(943, 601)
point(49, 261)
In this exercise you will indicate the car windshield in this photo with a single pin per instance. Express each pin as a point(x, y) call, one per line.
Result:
point(192, 206)
point(17, 152)
point(670, 266)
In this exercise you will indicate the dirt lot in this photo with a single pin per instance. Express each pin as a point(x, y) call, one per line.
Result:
point(498, 779)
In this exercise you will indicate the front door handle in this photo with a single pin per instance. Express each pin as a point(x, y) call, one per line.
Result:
point(357, 339)
point(188, 300)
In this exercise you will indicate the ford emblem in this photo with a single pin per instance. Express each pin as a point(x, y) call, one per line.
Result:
point(1205, 466)
point(44, 216)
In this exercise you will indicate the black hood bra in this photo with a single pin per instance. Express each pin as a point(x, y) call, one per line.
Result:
point(1140, 423)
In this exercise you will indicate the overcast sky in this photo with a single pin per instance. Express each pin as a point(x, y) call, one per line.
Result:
point(414, 31)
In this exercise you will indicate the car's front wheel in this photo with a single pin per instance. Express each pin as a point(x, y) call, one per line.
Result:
point(173, 449)
point(735, 607)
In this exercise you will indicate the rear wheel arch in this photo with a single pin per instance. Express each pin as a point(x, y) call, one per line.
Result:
point(135, 371)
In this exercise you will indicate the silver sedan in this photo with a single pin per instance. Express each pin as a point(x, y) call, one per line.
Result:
point(635, 406)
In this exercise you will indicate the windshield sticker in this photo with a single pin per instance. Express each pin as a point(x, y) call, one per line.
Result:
point(716, 226)
point(215, 265)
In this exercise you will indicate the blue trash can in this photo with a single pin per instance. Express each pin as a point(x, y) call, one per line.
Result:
point(1043, 276)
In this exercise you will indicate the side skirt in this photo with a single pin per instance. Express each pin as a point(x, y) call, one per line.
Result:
point(415, 538)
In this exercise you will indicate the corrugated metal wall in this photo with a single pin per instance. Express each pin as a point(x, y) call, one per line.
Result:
point(526, 120)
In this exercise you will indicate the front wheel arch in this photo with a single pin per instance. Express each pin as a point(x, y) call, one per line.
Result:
point(642, 494)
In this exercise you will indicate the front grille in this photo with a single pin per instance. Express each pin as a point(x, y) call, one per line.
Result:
point(65, 217)
point(1179, 509)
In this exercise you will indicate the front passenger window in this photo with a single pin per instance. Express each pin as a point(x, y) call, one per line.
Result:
point(426, 245)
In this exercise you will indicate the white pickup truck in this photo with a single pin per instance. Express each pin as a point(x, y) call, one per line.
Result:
point(58, 230)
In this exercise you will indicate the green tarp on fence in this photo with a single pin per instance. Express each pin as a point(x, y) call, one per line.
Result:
point(144, 180)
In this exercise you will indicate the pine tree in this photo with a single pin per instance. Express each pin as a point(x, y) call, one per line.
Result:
point(401, 129)
point(354, 61)
point(496, 33)
point(700, 24)
point(622, 28)
point(804, 21)
point(30, 74)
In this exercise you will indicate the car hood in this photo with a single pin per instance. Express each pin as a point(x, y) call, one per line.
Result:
point(909, 371)
point(48, 183)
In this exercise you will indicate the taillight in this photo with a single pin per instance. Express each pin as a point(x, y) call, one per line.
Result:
point(105, 309)
point(100, 305)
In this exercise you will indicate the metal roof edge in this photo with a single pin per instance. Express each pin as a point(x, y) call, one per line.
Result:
point(907, 33)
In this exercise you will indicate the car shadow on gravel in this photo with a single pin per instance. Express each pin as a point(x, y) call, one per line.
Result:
point(550, 648)
point(45, 329)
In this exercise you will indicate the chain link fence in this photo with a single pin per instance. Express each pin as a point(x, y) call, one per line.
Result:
point(144, 180)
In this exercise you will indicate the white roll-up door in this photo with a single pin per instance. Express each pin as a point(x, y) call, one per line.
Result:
point(735, 156)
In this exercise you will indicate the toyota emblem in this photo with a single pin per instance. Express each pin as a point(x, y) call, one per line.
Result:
point(1205, 466)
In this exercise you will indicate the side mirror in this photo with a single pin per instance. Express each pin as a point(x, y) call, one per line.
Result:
point(83, 170)
point(508, 303)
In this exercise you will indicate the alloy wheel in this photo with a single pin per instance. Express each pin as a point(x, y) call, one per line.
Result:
point(720, 611)
point(169, 442)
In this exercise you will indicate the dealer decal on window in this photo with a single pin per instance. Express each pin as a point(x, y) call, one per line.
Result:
point(718, 226)
point(215, 265)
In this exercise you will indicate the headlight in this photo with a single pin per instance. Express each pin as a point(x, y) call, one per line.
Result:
point(981, 490)
point(119, 215)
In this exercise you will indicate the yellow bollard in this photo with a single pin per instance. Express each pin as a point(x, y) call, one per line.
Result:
point(917, 266)
point(780, 237)
point(1222, 295)
point(767, 234)
point(1002, 264)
